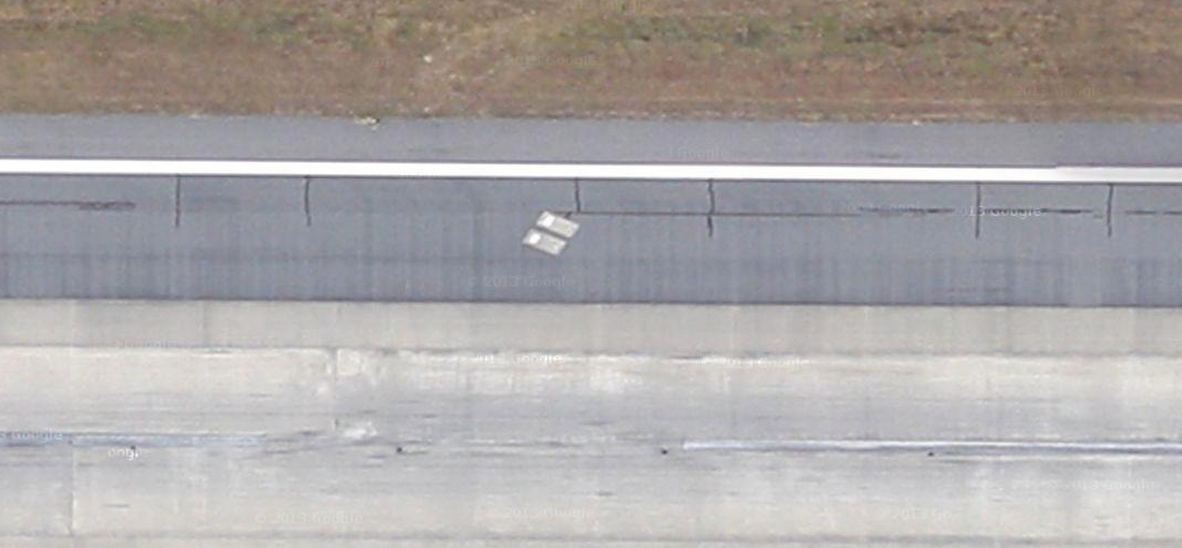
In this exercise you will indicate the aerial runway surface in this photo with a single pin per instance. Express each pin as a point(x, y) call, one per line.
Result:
point(182, 423)
point(367, 425)
point(1089, 242)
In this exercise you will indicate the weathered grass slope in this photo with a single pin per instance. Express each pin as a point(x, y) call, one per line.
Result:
point(797, 59)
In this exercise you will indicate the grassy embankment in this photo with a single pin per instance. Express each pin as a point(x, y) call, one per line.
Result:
point(765, 59)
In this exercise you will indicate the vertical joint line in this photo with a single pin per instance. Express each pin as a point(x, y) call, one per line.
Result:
point(176, 218)
point(72, 511)
point(1111, 193)
point(308, 200)
point(710, 216)
point(578, 197)
point(977, 215)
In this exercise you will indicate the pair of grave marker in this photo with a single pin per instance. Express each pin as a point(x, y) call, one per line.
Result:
point(550, 234)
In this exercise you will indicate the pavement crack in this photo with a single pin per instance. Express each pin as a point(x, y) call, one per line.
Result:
point(308, 201)
point(946, 447)
point(1108, 216)
point(977, 215)
point(176, 220)
point(713, 208)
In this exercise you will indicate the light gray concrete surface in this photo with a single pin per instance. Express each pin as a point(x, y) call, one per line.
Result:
point(420, 543)
point(126, 390)
point(411, 448)
point(675, 242)
point(666, 330)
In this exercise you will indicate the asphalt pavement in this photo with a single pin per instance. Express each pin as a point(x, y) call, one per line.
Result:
point(721, 242)
point(181, 423)
point(497, 140)
point(675, 242)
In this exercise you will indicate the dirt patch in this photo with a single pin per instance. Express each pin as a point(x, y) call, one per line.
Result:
point(774, 59)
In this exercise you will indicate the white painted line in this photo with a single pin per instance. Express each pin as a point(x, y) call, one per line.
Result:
point(692, 172)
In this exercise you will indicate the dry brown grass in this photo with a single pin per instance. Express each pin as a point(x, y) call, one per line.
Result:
point(800, 59)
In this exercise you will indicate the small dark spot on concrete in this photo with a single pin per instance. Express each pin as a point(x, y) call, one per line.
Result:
point(398, 449)
point(931, 453)
point(664, 451)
